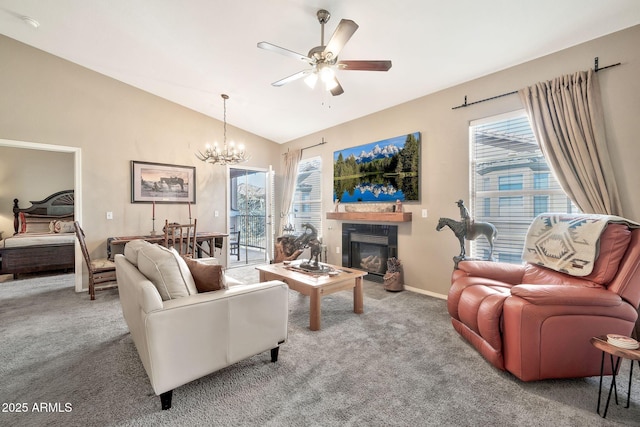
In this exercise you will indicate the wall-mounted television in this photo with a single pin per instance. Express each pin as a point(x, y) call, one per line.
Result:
point(383, 171)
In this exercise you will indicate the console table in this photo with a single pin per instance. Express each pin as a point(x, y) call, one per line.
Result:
point(212, 238)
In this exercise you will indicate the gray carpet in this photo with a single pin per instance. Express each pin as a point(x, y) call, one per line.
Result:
point(398, 364)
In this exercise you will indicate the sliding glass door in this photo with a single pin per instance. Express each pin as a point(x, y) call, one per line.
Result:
point(249, 216)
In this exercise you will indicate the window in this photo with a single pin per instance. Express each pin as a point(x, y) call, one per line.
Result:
point(486, 202)
point(510, 206)
point(540, 205)
point(307, 199)
point(541, 180)
point(511, 183)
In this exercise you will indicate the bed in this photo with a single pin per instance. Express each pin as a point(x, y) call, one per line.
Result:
point(44, 237)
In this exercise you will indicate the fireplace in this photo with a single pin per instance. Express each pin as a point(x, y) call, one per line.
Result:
point(367, 247)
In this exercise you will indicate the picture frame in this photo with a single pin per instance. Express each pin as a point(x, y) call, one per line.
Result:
point(382, 171)
point(162, 183)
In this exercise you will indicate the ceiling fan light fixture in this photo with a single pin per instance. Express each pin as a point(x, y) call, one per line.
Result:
point(311, 80)
point(327, 74)
point(331, 84)
point(228, 155)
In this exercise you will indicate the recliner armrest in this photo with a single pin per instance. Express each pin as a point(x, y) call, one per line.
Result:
point(500, 271)
point(566, 295)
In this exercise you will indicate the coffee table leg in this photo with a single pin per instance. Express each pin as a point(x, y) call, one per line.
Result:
point(358, 297)
point(314, 310)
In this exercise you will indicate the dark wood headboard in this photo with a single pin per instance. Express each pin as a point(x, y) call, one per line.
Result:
point(58, 204)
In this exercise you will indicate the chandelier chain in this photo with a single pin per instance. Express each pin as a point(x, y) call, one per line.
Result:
point(224, 116)
point(226, 156)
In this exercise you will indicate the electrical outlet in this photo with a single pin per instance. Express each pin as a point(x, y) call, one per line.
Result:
point(424, 213)
point(216, 213)
point(109, 215)
point(337, 249)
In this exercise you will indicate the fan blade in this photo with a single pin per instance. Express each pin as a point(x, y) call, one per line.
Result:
point(285, 52)
point(296, 76)
point(365, 65)
point(337, 90)
point(340, 37)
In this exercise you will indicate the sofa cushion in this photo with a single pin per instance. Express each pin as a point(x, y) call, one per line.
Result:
point(570, 243)
point(132, 248)
point(537, 275)
point(167, 270)
point(612, 246)
point(207, 276)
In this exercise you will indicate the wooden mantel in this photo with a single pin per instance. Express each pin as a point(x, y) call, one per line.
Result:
point(371, 216)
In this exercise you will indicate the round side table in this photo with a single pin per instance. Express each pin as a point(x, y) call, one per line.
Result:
point(620, 353)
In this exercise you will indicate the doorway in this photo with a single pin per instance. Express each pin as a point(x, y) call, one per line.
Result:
point(77, 161)
point(249, 216)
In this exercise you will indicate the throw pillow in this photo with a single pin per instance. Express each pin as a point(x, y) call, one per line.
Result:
point(167, 271)
point(208, 277)
point(132, 248)
point(64, 227)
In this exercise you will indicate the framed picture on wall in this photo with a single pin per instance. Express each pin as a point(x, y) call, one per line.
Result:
point(162, 183)
point(382, 171)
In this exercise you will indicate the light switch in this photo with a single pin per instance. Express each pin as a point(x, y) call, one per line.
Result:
point(424, 213)
point(109, 215)
point(215, 213)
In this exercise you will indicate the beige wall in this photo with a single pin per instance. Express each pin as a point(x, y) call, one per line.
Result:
point(19, 168)
point(48, 100)
point(426, 254)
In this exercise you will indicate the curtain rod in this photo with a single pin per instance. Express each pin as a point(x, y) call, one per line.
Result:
point(311, 146)
point(596, 68)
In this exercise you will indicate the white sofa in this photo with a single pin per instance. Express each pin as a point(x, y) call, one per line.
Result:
point(184, 338)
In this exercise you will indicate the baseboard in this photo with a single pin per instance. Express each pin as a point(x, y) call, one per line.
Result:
point(423, 292)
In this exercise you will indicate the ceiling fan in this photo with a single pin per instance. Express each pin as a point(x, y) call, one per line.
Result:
point(323, 59)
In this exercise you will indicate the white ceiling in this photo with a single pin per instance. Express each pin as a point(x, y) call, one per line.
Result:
point(191, 51)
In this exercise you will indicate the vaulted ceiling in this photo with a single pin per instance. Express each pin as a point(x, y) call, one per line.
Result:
point(191, 51)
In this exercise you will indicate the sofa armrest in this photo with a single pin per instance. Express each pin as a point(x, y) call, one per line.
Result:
point(500, 271)
point(149, 298)
point(137, 293)
point(566, 295)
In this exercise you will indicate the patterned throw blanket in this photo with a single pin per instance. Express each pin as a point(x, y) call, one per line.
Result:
point(568, 243)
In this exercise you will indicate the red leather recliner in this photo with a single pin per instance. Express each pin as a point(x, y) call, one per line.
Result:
point(536, 322)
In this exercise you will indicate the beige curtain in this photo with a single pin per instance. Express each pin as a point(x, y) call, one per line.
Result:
point(291, 161)
point(568, 122)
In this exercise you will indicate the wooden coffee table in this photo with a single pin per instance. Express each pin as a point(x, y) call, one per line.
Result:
point(317, 286)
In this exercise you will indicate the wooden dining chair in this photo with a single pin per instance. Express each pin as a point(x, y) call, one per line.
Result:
point(182, 237)
point(234, 244)
point(102, 272)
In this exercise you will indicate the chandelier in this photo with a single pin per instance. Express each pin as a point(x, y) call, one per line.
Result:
point(229, 154)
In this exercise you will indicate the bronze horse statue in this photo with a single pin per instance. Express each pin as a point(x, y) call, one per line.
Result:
point(470, 230)
point(309, 239)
